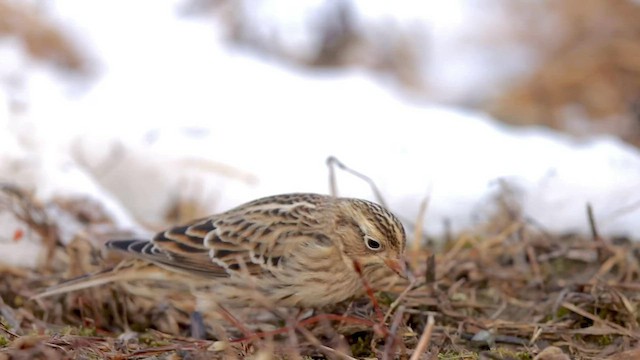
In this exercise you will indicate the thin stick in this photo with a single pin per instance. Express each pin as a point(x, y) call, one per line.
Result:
point(531, 255)
point(448, 234)
point(125, 312)
point(595, 234)
point(231, 319)
point(399, 299)
point(293, 337)
point(592, 224)
point(305, 322)
point(430, 270)
point(392, 336)
point(425, 339)
point(613, 327)
point(333, 161)
point(419, 230)
point(333, 186)
point(8, 332)
point(329, 351)
point(369, 291)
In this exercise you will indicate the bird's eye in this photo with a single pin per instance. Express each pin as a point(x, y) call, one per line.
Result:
point(372, 243)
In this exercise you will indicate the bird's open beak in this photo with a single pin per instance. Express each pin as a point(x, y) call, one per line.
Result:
point(398, 266)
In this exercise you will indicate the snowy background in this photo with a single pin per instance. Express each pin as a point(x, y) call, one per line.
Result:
point(174, 110)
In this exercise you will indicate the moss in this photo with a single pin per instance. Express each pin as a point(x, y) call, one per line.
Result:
point(4, 341)
point(86, 331)
point(523, 355)
point(77, 331)
point(151, 341)
point(458, 296)
point(384, 298)
point(4, 323)
point(457, 355)
point(508, 353)
point(361, 344)
point(604, 340)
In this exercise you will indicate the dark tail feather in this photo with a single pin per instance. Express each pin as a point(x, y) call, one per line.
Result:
point(132, 245)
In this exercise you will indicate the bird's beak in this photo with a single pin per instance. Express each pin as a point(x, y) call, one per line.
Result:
point(398, 266)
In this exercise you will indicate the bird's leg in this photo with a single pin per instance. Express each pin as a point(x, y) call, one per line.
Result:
point(198, 330)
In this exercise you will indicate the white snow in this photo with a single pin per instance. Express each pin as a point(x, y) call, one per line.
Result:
point(177, 113)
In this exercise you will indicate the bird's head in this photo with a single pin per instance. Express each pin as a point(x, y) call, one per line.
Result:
point(371, 235)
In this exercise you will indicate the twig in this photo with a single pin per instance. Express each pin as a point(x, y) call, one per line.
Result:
point(536, 334)
point(419, 229)
point(369, 291)
point(30, 211)
point(293, 337)
point(155, 351)
point(333, 161)
point(448, 233)
point(425, 339)
point(592, 223)
point(309, 321)
point(248, 334)
point(499, 311)
point(535, 266)
point(618, 329)
point(315, 342)
point(595, 234)
point(392, 337)
point(399, 299)
point(430, 271)
point(8, 332)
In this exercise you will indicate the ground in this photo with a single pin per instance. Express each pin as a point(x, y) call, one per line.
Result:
point(508, 290)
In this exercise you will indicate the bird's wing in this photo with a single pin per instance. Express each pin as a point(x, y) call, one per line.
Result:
point(253, 237)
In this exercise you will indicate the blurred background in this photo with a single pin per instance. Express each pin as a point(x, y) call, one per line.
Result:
point(161, 111)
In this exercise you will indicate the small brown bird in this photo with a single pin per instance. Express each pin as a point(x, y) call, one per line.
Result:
point(292, 250)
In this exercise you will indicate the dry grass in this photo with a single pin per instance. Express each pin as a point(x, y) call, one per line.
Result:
point(585, 56)
point(507, 291)
point(589, 68)
point(41, 37)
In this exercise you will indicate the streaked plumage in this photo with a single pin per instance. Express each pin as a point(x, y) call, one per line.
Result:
point(292, 250)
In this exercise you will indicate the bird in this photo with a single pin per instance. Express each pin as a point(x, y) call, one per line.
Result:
point(291, 250)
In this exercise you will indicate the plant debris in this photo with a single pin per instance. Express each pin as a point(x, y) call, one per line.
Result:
point(505, 291)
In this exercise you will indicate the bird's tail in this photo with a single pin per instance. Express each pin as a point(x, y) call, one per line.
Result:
point(126, 271)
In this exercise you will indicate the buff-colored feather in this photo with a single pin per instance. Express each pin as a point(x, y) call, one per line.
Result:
point(288, 250)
